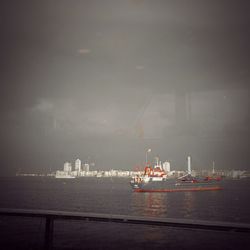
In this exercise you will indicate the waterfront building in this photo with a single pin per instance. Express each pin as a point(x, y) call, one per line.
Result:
point(67, 167)
point(78, 165)
point(86, 167)
point(74, 173)
point(236, 174)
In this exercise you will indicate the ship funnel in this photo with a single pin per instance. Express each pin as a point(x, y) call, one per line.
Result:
point(189, 164)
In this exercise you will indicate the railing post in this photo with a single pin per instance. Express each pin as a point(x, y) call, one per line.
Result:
point(48, 244)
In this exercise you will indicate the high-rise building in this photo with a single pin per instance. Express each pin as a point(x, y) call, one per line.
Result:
point(189, 164)
point(78, 165)
point(67, 167)
point(86, 167)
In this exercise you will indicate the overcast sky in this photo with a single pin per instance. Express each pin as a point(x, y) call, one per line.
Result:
point(105, 80)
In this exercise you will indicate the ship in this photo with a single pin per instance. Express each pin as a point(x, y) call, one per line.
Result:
point(156, 179)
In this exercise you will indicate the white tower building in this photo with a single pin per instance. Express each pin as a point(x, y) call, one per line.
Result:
point(78, 165)
point(189, 164)
point(67, 167)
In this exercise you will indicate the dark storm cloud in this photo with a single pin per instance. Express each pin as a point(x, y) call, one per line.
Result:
point(108, 79)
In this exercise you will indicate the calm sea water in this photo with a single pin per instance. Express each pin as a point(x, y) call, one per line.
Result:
point(114, 195)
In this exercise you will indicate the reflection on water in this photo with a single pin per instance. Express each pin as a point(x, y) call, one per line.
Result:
point(163, 204)
point(149, 204)
point(100, 195)
point(188, 203)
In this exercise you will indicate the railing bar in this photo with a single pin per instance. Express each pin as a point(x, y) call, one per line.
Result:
point(63, 215)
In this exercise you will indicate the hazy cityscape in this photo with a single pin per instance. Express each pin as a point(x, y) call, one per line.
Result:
point(78, 169)
point(125, 124)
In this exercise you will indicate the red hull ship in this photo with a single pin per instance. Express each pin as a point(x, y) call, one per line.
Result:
point(155, 179)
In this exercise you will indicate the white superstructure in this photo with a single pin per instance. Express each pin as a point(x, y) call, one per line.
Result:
point(166, 166)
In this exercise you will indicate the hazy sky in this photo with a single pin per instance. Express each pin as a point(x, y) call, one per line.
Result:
point(106, 80)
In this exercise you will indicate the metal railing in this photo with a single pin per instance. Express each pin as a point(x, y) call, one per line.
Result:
point(50, 216)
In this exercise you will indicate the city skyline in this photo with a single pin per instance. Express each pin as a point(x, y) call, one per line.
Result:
point(109, 79)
